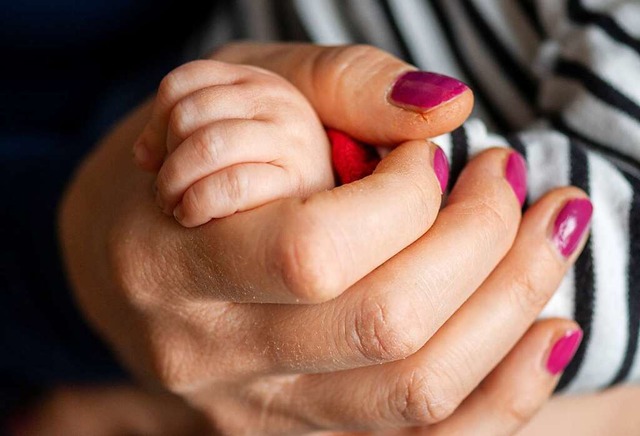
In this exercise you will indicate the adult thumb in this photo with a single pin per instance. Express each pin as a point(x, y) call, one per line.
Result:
point(363, 91)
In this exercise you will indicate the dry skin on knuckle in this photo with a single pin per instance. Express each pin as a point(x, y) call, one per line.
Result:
point(384, 332)
point(425, 399)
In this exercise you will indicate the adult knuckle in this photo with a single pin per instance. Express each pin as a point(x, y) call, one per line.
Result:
point(384, 331)
point(423, 398)
point(306, 257)
point(526, 292)
point(495, 222)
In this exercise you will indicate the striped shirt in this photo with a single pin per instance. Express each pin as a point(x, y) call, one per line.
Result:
point(557, 80)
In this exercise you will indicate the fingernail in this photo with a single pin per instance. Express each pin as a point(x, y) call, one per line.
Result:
point(516, 175)
point(178, 213)
point(441, 168)
point(571, 224)
point(141, 153)
point(159, 201)
point(421, 91)
point(563, 351)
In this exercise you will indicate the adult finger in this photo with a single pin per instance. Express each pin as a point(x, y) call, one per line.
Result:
point(392, 312)
point(428, 386)
point(363, 91)
point(313, 249)
point(518, 387)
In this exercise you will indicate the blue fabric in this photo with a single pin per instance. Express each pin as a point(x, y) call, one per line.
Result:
point(70, 69)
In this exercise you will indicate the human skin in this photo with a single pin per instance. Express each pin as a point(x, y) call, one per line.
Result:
point(388, 306)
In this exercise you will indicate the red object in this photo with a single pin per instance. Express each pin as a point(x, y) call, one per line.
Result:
point(352, 160)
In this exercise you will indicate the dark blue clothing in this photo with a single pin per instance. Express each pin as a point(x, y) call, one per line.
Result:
point(69, 70)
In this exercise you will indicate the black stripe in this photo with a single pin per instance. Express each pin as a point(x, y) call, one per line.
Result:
point(530, 10)
point(521, 78)
point(352, 23)
point(405, 52)
point(597, 86)
point(496, 116)
point(559, 124)
point(516, 143)
point(578, 13)
point(288, 23)
point(583, 271)
point(633, 283)
point(459, 154)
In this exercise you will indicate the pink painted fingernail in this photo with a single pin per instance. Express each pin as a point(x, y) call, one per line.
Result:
point(563, 351)
point(421, 91)
point(441, 168)
point(571, 224)
point(516, 174)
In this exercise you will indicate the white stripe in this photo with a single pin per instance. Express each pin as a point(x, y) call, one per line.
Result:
point(548, 168)
point(512, 105)
point(591, 116)
point(374, 25)
point(625, 13)
point(611, 194)
point(424, 36)
point(615, 63)
point(444, 142)
point(323, 22)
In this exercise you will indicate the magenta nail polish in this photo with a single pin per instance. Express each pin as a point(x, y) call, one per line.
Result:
point(570, 225)
point(421, 91)
point(516, 174)
point(563, 351)
point(441, 168)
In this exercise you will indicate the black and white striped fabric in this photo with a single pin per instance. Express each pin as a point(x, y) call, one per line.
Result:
point(558, 80)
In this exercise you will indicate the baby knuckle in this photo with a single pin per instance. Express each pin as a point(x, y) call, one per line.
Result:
point(237, 185)
point(207, 147)
point(194, 201)
point(384, 331)
point(170, 86)
point(180, 119)
point(166, 179)
point(423, 399)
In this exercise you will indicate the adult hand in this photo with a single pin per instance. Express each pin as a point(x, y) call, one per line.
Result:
point(166, 297)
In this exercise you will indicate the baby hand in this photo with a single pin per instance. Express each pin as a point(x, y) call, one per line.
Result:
point(228, 138)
